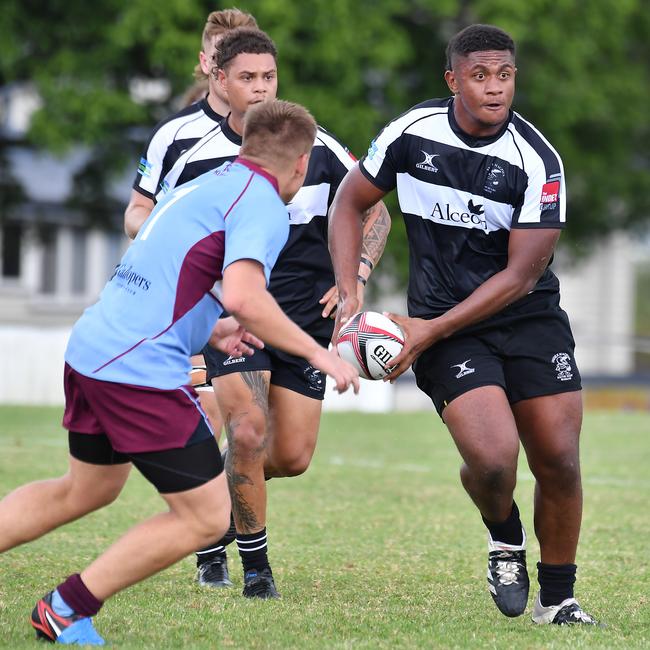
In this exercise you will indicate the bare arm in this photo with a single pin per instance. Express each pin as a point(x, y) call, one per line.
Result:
point(376, 226)
point(354, 197)
point(529, 252)
point(245, 296)
point(136, 213)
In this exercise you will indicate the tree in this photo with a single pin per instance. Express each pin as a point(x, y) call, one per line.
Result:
point(356, 64)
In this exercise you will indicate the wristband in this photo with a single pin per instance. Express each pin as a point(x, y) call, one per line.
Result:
point(362, 280)
point(367, 262)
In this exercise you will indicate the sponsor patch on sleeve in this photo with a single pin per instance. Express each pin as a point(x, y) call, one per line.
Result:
point(144, 168)
point(550, 195)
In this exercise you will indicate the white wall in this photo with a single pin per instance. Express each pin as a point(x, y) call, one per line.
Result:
point(598, 294)
point(31, 364)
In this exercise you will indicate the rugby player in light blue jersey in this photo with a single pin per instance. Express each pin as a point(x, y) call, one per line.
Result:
point(209, 245)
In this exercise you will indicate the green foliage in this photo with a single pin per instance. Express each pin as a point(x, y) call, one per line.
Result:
point(377, 546)
point(583, 76)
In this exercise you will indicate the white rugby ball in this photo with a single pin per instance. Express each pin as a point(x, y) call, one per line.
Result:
point(369, 341)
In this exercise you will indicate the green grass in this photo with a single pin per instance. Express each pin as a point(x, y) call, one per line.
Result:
point(377, 546)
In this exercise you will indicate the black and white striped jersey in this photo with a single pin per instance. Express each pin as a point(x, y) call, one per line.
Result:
point(303, 271)
point(461, 196)
point(169, 140)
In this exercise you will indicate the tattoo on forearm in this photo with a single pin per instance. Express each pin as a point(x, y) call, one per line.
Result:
point(376, 227)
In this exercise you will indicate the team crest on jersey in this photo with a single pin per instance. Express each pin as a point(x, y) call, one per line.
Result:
point(427, 163)
point(550, 195)
point(495, 176)
point(144, 168)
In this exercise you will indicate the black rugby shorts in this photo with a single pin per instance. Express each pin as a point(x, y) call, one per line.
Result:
point(287, 370)
point(531, 357)
point(169, 470)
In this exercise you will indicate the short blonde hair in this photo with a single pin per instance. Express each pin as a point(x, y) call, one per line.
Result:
point(220, 22)
point(278, 132)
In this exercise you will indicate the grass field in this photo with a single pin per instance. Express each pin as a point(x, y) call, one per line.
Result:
point(377, 546)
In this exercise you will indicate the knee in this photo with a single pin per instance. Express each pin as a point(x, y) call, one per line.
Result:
point(248, 438)
point(103, 492)
point(490, 476)
point(559, 470)
point(211, 524)
point(295, 463)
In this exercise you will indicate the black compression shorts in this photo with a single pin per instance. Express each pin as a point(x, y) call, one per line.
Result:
point(169, 470)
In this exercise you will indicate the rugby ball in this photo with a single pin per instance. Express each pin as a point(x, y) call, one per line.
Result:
point(369, 341)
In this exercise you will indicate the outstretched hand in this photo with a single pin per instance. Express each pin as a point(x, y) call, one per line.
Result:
point(232, 339)
point(418, 336)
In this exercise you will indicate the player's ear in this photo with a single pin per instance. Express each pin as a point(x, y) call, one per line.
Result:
point(301, 164)
point(450, 78)
point(205, 63)
point(222, 81)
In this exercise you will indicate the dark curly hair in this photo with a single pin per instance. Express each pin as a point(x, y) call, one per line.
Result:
point(478, 38)
point(243, 40)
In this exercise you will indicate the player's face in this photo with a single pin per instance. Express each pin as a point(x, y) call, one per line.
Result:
point(249, 79)
point(484, 86)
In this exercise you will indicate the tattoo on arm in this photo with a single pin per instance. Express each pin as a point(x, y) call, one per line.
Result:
point(376, 226)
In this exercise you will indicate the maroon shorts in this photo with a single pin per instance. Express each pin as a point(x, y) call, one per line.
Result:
point(134, 418)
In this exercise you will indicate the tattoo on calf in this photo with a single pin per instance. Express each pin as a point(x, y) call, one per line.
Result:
point(242, 511)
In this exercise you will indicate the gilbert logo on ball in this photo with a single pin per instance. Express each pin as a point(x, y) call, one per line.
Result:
point(370, 341)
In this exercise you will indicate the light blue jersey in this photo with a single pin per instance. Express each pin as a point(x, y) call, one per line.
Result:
point(161, 303)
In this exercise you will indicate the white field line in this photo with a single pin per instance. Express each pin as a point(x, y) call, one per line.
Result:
point(368, 463)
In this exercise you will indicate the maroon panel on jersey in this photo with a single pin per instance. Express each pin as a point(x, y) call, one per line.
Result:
point(200, 270)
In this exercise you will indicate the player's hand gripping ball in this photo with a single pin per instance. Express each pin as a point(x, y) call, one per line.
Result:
point(369, 341)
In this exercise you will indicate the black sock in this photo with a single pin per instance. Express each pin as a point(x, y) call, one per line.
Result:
point(253, 550)
point(508, 531)
point(556, 582)
point(209, 553)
